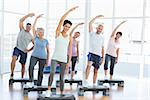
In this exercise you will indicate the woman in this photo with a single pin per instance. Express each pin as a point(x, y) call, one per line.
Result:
point(40, 53)
point(75, 49)
point(62, 41)
point(112, 52)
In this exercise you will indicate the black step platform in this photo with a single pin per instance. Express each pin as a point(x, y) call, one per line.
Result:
point(119, 82)
point(104, 89)
point(39, 89)
point(23, 81)
point(70, 81)
point(58, 97)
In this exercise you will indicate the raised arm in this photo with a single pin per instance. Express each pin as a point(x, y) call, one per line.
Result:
point(33, 27)
point(58, 30)
point(114, 31)
point(75, 28)
point(23, 18)
point(92, 21)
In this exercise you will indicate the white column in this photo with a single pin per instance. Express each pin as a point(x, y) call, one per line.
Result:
point(86, 35)
point(2, 40)
point(142, 39)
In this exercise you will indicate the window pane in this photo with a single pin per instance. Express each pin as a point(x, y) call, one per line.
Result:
point(11, 23)
point(79, 12)
point(104, 7)
point(38, 6)
point(147, 8)
point(1, 4)
point(56, 8)
point(20, 6)
point(147, 37)
point(147, 30)
point(128, 8)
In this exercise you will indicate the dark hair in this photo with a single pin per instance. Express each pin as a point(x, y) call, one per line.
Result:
point(119, 33)
point(77, 32)
point(28, 24)
point(67, 22)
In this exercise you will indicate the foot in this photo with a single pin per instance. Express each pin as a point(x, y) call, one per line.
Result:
point(47, 93)
point(94, 85)
point(11, 76)
point(106, 78)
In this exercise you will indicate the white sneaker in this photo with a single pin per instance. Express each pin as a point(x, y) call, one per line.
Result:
point(47, 93)
point(106, 84)
point(94, 85)
point(106, 78)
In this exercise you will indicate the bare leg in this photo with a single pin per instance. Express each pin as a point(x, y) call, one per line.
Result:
point(88, 70)
point(22, 70)
point(13, 63)
point(95, 75)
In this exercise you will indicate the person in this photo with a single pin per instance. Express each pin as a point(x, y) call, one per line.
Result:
point(40, 53)
point(96, 50)
point(75, 49)
point(62, 41)
point(112, 52)
point(23, 40)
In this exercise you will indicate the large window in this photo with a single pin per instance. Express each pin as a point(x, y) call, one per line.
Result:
point(19, 6)
point(38, 6)
point(147, 7)
point(128, 8)
point(56, 8)
point(78, 13)
point(104, 7)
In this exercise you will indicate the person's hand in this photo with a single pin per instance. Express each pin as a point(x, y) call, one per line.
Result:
point(99, 16)
point(46, 63)
point(80, 23)
point(116, 61)
point(31, 14)
point(72, 9)
point(26, 50)
point(39, 15)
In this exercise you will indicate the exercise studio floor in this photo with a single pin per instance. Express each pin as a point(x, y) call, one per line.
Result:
point(134, 89)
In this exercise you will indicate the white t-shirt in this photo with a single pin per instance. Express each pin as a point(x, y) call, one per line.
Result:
point(112, 47)
point(61, 47)
point(96, 43)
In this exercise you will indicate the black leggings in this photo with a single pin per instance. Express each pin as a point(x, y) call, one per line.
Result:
point(112, 63)
point(73, 60)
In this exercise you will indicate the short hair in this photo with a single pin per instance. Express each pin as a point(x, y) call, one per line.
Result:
point(67, 22)
point(28, 24)
point(77, 32)
point(119, 33)
point(40, 30)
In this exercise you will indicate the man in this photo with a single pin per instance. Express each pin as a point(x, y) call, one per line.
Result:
point(96, 49)
point(23, 40)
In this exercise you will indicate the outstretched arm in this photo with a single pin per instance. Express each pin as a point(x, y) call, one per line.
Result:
point(114, 31)
point(75, 28)
point(58, 30)
point(33, 27)
point(23, 18)
point(92, 21)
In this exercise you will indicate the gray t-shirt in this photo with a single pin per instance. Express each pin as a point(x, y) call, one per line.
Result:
point(23, 40)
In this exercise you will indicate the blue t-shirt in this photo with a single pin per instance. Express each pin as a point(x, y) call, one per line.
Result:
point(39, 49)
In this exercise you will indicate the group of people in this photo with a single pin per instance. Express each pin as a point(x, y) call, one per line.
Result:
point(66, 49)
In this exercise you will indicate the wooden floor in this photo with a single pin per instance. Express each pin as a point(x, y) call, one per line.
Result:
point(134, 89)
